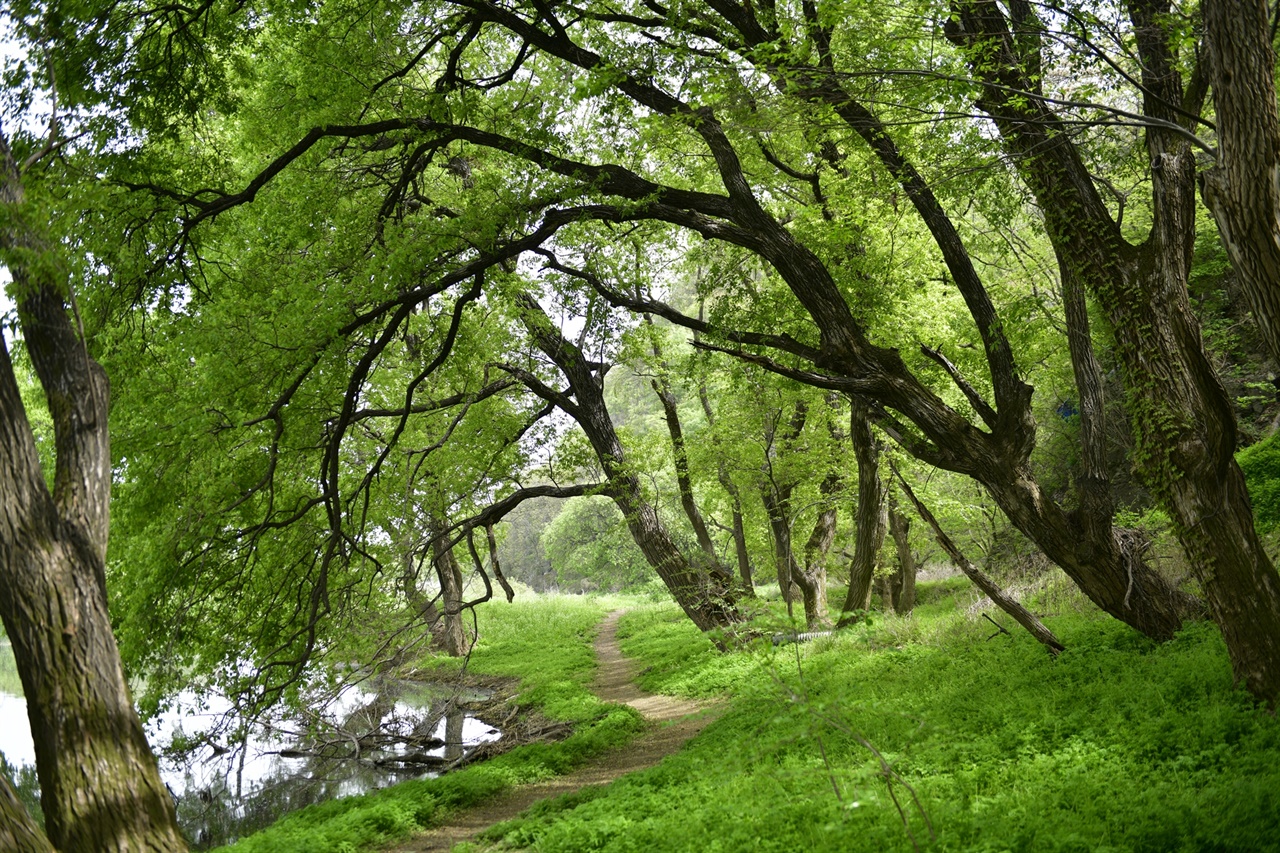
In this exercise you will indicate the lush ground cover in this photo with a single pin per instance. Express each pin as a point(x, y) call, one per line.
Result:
point(928, 730)
point(547, 642)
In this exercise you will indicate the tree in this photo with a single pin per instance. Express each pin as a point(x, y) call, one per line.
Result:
point(902, 583)
point(589, 542)
point(100, 784)
point(871, 515)
point(1184, 423)
point(776, 104)
point(1243, 189)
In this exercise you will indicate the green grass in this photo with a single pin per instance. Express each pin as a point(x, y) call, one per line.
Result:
point(547, 642)
point(1119, 744)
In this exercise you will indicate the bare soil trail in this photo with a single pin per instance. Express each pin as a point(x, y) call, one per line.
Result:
point(672, 722)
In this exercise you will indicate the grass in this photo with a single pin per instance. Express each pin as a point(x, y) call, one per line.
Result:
point(1119, 744)
point(547, 642)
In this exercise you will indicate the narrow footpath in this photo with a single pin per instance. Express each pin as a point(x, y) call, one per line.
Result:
point(672, 722)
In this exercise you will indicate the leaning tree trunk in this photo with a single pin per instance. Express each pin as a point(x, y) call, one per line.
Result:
point(684, 483)
point(18, 832)
point(452, 631)
point(812, 577)
point(100, 785)
point(1243, 190)
point(981, 579)
point(871, 515)
point(705, 596)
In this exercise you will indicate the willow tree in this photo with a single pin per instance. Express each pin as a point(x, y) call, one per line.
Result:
point(99, 782)
point(522, 131)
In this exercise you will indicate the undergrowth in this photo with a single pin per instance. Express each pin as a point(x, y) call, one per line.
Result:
point(547, 642)
point(923, 732)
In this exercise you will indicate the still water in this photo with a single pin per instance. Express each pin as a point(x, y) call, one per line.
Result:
point(227, 787)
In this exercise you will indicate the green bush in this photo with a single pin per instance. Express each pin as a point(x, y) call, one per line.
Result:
point(1261, 465)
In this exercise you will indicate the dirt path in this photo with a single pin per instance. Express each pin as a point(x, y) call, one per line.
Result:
point(672, 722)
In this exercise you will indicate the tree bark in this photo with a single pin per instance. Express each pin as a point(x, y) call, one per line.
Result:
point(1184, 421)
point(18, 830)
point(775, 494)
point(449, 575)
point(100, 784)
point(1243, 190)
point(671, 413)
point(871, 515)
point(776, 503)
point(812, 578)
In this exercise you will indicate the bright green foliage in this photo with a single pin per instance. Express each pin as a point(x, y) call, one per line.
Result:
point(588, 543)
point(547, 642)
point(1261, 465)
point(1117, 745)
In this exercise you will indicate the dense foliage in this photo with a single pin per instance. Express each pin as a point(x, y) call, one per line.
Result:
point(318, 295)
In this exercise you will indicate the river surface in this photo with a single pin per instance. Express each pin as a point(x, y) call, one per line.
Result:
point(226, 788)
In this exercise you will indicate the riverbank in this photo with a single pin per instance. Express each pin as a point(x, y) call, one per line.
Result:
point(545, 641)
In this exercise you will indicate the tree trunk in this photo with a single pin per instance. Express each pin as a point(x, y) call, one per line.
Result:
point(784, 560)
point(871, 515)
point(449, 574)
point(776, 497)
point(18, 830)
point(812, 578)
point(100, 785)
point(740, 542)
point(1184, 422)
point(1243, 190)
point(735, 504)
point(671, 413)
point(902, 586)
point(706, 596)
point(1003, 600)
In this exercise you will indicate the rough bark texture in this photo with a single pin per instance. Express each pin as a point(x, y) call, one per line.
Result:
point(784, 561)
point(1003, 600)
point(706, 596)
point(18, 831)
point(1184, 421)
point(450, 629)
point(100, 785)
point(1243, 190)
point(871, 515)
point(775, 494)
point(813, 577)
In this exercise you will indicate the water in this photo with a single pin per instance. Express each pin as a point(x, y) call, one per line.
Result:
point(364, 739)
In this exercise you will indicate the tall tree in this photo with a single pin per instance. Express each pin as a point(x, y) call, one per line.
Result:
point(100, 784)
point(1243, 189)
point(871, 515)
point(1184, 421)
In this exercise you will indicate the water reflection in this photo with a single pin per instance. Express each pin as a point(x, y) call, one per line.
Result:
point(364, 739)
